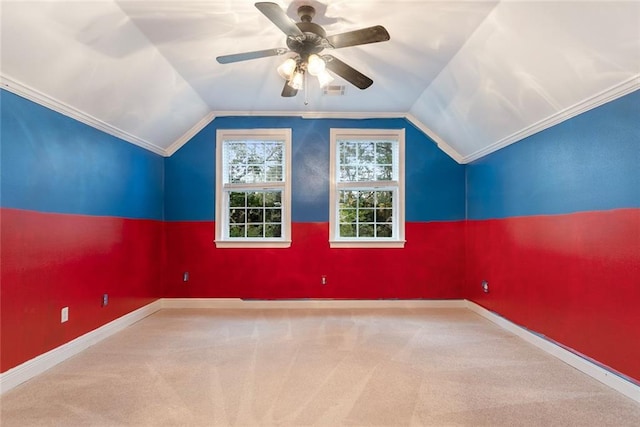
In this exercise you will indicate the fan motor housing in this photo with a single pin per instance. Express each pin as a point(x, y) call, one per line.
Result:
point(311, 43)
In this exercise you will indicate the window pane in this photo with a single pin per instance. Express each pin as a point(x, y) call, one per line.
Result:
point(237, 216)
point(254, 230)
point(255, 199)
point(348, 199)
point(365, 230)
point(366, 152)
point(237, 173)
point(384, 173)
point(366, 199)
point(348, 173)
point(366, 215)
point(384, 230)
point(273, 173)
point(384, 153)
point(236, 231)
point(347, 230)
point(237, 199)
point(272, 215)
point(348, 215)
point(272, 199)
point(272, 230)
point(365, 173)
point(254, 161)
point(255, 215)
point(384, 199)
point(384, 215)
point(348, 152)
point(273, 152)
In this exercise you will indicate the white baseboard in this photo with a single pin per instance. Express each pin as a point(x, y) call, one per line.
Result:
point(594, 370)
point(29, 369)
point(237, 303)
point(39, 364)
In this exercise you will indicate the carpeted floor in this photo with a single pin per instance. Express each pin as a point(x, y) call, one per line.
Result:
point(365, 367)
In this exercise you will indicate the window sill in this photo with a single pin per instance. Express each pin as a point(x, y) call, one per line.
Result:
point(253, 244)
point(366, 244)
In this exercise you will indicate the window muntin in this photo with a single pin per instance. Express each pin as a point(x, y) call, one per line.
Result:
point(253, 188)
point(367, 188)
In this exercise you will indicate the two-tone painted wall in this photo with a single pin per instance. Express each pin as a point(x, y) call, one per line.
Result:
point(554, 227)
point(81, 215)
point(553, 223)
point(428, 267)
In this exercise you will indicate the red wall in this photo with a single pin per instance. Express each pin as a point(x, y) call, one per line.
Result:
point(574, 278)
point(428, 267)
point(50, 261)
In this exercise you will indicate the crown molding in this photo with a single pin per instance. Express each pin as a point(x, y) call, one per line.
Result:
point(21, 89)
point(313, 114)
point(178, 143)
point(617, 91)
point(624, 88)
point(449, 150)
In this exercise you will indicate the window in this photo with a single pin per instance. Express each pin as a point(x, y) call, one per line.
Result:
point(367, 188)
point(253, 189)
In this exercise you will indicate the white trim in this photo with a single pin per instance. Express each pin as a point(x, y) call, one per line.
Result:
point(314, 114)
point(397, 186)
point(178, 143)
point(626, 87)
point(440, 143)
point(221, 212)
point(40, 98)
point(367, 243)
point(595, 371)
point(253, 243)
point(347, 304)
point(583, 106)
point(29, 369)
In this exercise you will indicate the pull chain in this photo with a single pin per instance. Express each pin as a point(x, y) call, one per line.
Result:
point(306, 90)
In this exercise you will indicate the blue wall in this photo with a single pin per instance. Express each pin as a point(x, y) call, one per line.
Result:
point(590, 162)
point(434, 183)
point(52, 163)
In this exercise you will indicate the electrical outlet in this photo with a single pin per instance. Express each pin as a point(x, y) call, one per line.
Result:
point(105, 299)
point(323, 280)
point(185, 276)
point(64, 314)
point(485, 286)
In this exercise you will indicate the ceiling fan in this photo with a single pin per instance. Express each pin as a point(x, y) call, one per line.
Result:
point(307, 40)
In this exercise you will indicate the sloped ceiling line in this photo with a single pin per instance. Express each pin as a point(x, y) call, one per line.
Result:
point(617, 91)
point(20, 89)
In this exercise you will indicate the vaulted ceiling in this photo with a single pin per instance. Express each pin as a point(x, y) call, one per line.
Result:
point(473, 75)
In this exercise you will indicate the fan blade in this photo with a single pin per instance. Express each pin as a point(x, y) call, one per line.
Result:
point(357, 37)
point(347, 72)
point(288, 91)
point(236, 57)
point(280, 18)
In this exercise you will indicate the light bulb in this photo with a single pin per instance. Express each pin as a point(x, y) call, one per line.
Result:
point(324, 78)
point(297, 79)
point(315, 65)
point(287, 68)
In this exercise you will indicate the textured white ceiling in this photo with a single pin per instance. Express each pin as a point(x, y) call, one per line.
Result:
point(474, 75)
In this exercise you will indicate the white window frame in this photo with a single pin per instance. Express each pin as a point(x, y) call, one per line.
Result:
point(398, 240)
point(222, 189)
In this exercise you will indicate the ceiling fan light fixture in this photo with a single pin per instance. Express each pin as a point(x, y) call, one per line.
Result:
point(297, 80)
point(324, 78)
point(287, 68)
point(315, 65)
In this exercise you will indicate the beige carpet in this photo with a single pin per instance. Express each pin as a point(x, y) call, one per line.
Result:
point(387, 367)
